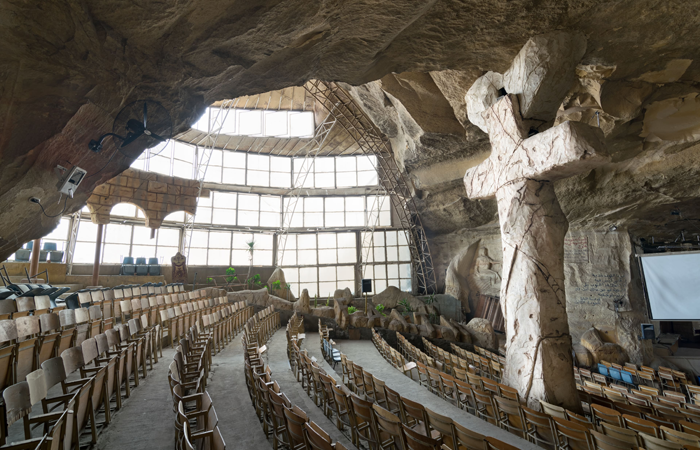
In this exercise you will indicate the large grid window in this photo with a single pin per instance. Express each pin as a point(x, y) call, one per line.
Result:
point(257, 123)
point(337, 212)
point(319, 262)
point(58, 236)
point(227, 248)
point(388, 259)
point(238, 209)
point(175, 159)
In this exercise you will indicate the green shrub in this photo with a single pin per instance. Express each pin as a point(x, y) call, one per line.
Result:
point(351, 309)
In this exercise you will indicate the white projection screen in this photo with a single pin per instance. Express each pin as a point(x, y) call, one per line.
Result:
point(672, 285)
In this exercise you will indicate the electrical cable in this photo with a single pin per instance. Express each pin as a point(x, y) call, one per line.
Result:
point(65, 203)
point(105, 166)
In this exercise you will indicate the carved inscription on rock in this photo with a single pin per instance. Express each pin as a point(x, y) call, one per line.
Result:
point(576, 249)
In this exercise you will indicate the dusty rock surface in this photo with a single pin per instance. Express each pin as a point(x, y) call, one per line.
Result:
point(324, 311)
point(482, 334)
point(304, 302)
point(391, 297)
point(283, 292)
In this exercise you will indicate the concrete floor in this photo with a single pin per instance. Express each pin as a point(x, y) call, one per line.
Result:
point(146, 419)
point(366, 355)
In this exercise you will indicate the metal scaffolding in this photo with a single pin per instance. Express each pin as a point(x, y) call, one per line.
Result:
point(371, 141)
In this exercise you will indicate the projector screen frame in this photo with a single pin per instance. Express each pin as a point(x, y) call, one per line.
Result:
point(644, 283)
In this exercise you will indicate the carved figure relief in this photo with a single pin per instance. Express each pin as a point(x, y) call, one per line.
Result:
point(485, 274)
point(179, 263)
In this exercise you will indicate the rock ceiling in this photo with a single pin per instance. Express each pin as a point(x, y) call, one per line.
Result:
point(68, 67)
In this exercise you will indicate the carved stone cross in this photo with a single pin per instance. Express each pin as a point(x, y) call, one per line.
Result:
point(519, 173)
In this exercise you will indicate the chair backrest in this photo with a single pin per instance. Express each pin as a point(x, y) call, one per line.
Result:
point(443, 425)
point(54, 371)
point(576, 436)
point(67, 317)
point(603, 414)
point(72, 359)
point(17, 401)
point(25, 304)
point(495, 444)
point(653, 443)
point(641, 425)
point(8, 330)
point(89, 348)
point(295, 427)
point(8, 306)
point(49, 322)
point(679, 437)
point(417, 441)
point(468, 438)
point(388, 423)
point(602, 441)
point(37, 386)
point(553, 410)
point(27, 326)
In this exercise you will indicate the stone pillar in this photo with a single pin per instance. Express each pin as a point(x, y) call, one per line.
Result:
point(34, 260)
point(533, 226)
point(96, 265)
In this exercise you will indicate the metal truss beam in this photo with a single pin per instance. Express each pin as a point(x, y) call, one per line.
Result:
point(353, 119)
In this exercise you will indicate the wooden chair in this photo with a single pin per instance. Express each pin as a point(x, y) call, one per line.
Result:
point(553, 410)
point(361, 415)
point(467, 438)
point(600, 441)
point(28, 336)
point(388, 425)
point(510, 416)
point(573, 436)
point(580, 420)
point(442, 427)
point(641, 425)
point(603, 414)
point(485, 408)
point(679, 437)
point(413, 414)
point(622, 434)
point(539, 428)
point(653, 443)
point(417, 441)
point(393, 400)
point(316, 438)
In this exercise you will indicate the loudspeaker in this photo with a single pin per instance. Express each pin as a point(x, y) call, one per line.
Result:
point(366, 285)
point(648, 331)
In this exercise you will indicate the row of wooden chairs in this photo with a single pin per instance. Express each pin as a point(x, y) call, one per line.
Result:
point(90, 378)
point(287, 424)
point(378, 416)
point(489, 364)
point(196, 422)
point(24, 306)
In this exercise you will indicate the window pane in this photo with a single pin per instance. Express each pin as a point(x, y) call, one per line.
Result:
point(216, 158)
point(313, 219)
point(280, 164)
point(143, 251)
point(160, 164)
point(326, 290)
point(346, 240)
point(84, 253)
point(392, 253)
point(142, 235)
point(224, 200)
point(219, 239)
point(250, 122)
point(347, 255)
point(224, 217)
point(182, 169)
point(367, 179)
point(313, 204)
point(346, 179)
point(301, 124)
point(164, 254)
point(123, 210)
point(213, 174)
point(234, 160)
point(269, 204)
point(270, 220)
point(248, 202)
point(326, 240)
point(218, 257)
point(262, 258)
point(248, 218)
point(405, 270)
point(203, 215)
point(118, 234)
point(234, 176)
point(306, 257)
point(197, 257)
point(276, 123)
point(199, 239)
point(325, 165)
point(114, 253)
point(325, 180)
point(346, 164)
point(327, 256)
point(168, 237)
point(347, 273)
point(177, 216)
point(392, 270)
point(87, 232)
point(306, 241)
point(239, 257)
point(366, 162)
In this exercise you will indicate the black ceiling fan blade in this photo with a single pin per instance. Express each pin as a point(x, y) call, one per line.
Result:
point(131, 137)
point(153, 135)
point(145, 113)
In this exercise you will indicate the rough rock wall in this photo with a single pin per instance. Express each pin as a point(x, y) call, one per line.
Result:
point(599, 267)
point(604, 290)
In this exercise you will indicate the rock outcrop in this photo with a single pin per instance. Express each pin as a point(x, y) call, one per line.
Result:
point(397, 322)
point(303, 305)
point(482, 334)
point(283, 291)
point(392, 296)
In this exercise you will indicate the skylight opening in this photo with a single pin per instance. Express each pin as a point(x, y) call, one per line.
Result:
point(257, 123)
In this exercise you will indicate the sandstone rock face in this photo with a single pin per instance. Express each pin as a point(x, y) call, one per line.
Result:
point(482, 334)
point(447, 324)
point(359, 320)
point(446, 333)
point(482, 96)
point(304, 303)
point(391, 297)
point(324, 311)
point(463, 335)
point(541, 74)
point(280, 303)
point(583, 356)
point(610, 352)
point(397, 322)
point(283, 292)
point(345, 294)
point(591, 340)
point(340, 308)
point(251, 297)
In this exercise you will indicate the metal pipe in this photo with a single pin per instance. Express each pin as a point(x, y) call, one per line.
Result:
point(96, 265)
point(34, 263)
